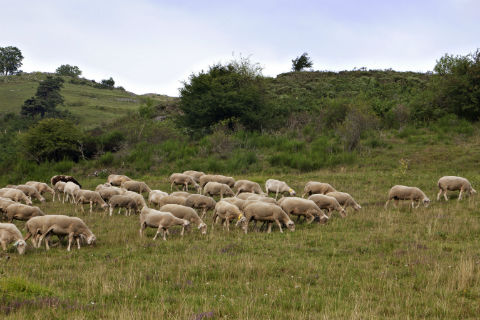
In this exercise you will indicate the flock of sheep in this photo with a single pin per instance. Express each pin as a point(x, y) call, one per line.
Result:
point(249, 203)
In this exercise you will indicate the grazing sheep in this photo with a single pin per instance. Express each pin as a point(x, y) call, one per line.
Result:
point(182, 194)
point(313, 187)
point(172, 200)
point(277, 186)
point(60, 225)
point(413, 194)
point(258, 197)
point(103, 186)
point(199, 201)
point(227, 212)
point(184, 180)
point(215, 188)
point(240, 203)
point(70, 190)
point(122, 201)
point(246, 195)
point(186, 213)
point(302, 207)
point(135, 186)
point(194, 174)
point(59, 188)
point(22, 212)
point(35, 228)
point(30, 191)
point(453, 183)
point(65, 179)
point(345, 200)
point(117, 179)
point(9, 233)
point(15, 195)
point(155, 195)
point(107, 193)
point(161, 220)
point(41, 187)
point(247, 186)
point(229, 181)
point(327, 203)
point(91, 197)
point(137, 197)
point(261, 211)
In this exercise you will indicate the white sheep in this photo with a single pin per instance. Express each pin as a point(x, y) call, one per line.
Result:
point(227, 212)
point(453, 183)
point(194, 174)
point(30, 191)
point(117, 179)
point(413, 194)
point(9, 233)
point(172, 200)
point(135, 186)
point(42, 188)
point(186, 213)
point(70, 190)
point(90, 197)
point(328, 203)
point(59, 188)
point(215, 188)
point(262, 211)
point(137, 197)
point(277, 186)
point(345, 200)
point(155, 195)
point(161, 220)
point(199, 201)
point(182, 194)
point(184, 180)
point(22, 212)
point(313, 187)
point(15, 195)
point(216, 178)
point(303, 207)
point(122, 201)
point(247, 186)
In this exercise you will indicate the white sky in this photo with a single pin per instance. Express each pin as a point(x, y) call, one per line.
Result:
point(152, 46)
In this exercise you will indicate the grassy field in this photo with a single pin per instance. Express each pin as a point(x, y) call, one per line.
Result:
point(376, 263)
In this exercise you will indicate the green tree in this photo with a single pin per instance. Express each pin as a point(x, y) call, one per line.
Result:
point(68, 70)
point(302, 62)
point(46, 98)
point(108, 83)
point(53, 140)
point(233, 92)
point(10, 60)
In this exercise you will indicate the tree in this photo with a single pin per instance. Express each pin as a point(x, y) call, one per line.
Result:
point(68, 70)
point(109, 83)
point(53, 140)
point(302, 62)
point(10, 60)
point(233, 92)
point(46, 99)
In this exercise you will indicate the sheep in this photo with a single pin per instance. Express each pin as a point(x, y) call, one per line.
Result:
point(58, 188)
point(277, 186)
point(35, 228)
point(194, 174)
point(453, 183)
point(60, 225)
point(70, 190)
point(9, 233)
point(245, 195)
point(41, 187)
point(155, 195)
point(122, 201)
point(257, 197)
point(15, 195)
point(302, 207)
point(117, 179)
point(215, 188)
point(160, 220)
point(22, 212)
point(186, 213)
point(172, 200)
point(216, 178)
point(30, 191)
point(247, 186)
point(227, 212)
point(199, 201)
point(413, 194)
point(327, 203)
point(182, 194)
point(345, 200)
point(4, 203)
point(261, 211)
point(313, 187)
point(137, 197)
point(184, 180)
point(65, 179)
point(103, 186)
point(135, 186)
point(107, 193)
point(91, 197)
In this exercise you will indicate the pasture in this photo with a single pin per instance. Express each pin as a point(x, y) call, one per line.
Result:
point(375, 263)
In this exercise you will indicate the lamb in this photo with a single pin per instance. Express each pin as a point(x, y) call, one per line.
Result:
point(160, 220)
point(22, 212)
point(60, 225)
point(313, 187)
point(137, 197)
point(122, 201)
point(215, 188)
point(302, 207)
point(186, 213)
point(135, 186)
point(182, 194)
point(9, 233)
point(172, 200)
point(70, 190)
point(453, 183)
point(15, 195)
point(277, 186)
point(413, 194)
point(216, 178)
point(345, 200)
point(261, 211)
point(327, 203)
point(58, 188)
point(198, 201)
point(184, 180)
point(91, 197)
point(65, 179)
point(194, 174)
point(227, 212)
point(117, 179)
point(30, 191)
point(155, 195)
point(247, 186)
point(41, 187)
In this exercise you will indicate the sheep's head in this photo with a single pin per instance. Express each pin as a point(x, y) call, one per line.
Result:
point(20, 245)
point(324, 218)
point(186, 223)
point(28, 201)
point(426, 202)
point(42, 199)
point(202, 227)
point(290, 225)
point(91, 239)
point(292, 192)
point(357, 206)
point(472, 191)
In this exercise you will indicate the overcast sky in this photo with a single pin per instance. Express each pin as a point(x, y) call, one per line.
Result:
point(154, 45)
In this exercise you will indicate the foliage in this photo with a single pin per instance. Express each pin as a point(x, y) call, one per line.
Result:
point(10, 60)
point(46, 98)
point(108, 83)
point(68, 70)
point(302, 62)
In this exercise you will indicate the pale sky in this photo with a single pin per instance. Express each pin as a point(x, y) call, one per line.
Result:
point(154, 45)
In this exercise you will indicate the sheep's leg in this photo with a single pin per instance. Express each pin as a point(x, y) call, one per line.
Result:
point(227, 222)
point(78, 243)
point(142, 227)
point(276, 195)
point(119, 210)
point(70, 239)
point(183, 230)
point(445, 195)
point(439, 194)
point(418, 204)
point(158, 231)
point(310, 220)
point(165, 234)
point(111, 210)
point(460, 195)
point(4, 245)
point(395, 203)
point(269, 230)
point(279, 225)
point(245, 224)
point(171, 186)
point(91, 206)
